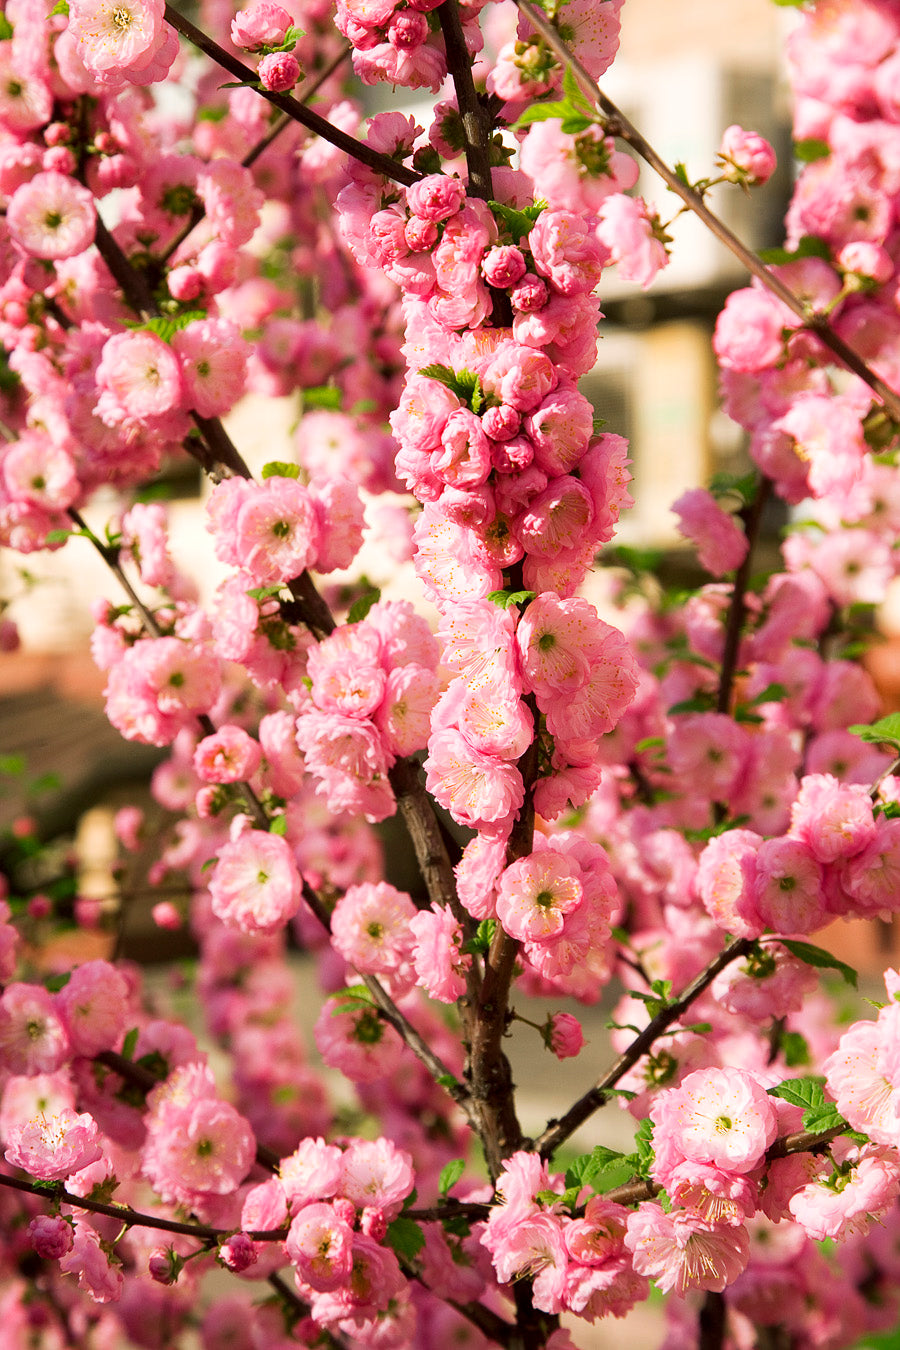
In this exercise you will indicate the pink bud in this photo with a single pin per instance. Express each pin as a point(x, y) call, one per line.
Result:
point(747, 157)
point(279, 72)
point(563, 1035)
point(166, 915)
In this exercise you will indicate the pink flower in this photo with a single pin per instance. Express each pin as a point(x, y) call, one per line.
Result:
point(721, 543)
point(320, 1244)
point(357, 1042)
point(679, 1251)
point(138, 378)
point(312, 1172)
point(566, 251)
point(198, 1147)
point(835, 820)
point(628, 231)
point(436, 197)
point(279, 71)
point(440, 967)
point(535, 894)
point(276, 532)
point(746, 157)
point(213, 357)
point(750, 330)
point(370, 928)
point(97, 1274)
point(52, 216)
point(94, 1007)
point(564, 1036)
point(376, 1173)
point(50, 1236)
point(33, 1038)
point(53, 1147)
point(122, 37)
point(228, 756)
point(717, 1116)
point(260, 25)
point(255, 885)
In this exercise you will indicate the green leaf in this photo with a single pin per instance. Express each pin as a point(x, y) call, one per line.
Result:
point(56, 982)
point(165, 326)
point(613, 1174)
point(886, 731)
point(556, 109)
point(278, 825)
point(450, 1175)
point(575, 95)
point(465, 384)
point(699, 703)
point(12, 765)
point(351, 997)
point(277, 468)
point(506, 598)
point(809, 1093)
point(322, 396)
point(61, 7)
point(6, 28)
point(45, 782)
point(57, 536)
point(773, 693)
point(130, 1043)
point(516, 223)
point(649, 743)
point(447, 1080)
point(360, 608)
point(405, 1237)
point(261, 593)
point(210, 862)
point(810, 148)
point(818, 957)
point(743, 485)
point(484, 936)
point(810, 246)
point(644, 1154)
point(795, 1049)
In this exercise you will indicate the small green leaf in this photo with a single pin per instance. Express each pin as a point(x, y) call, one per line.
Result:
point(810, 148)
point(210, 862)
point(130, 1043)
point(405, 1237)
point(261, 593)
point(818, 957)
point(322, 396)
point(484, 936)
point(447, 1080)
point(360, 608)
point(57, 536)
point(773, 693)
point(61, 7)
point(6, 28)
point(56, 982)
point(809, 1093)
point(506, 598)
point(886, 731)
point(810, 246)
point(516, 223)
point(699, 703)
point(278, 825)
point(46, 782)
point(12, 765)
point(795, 1049)
point(277, 468)
point(614, 1174)
point(644, 1154)
point(450, 1175)
point(649, 743)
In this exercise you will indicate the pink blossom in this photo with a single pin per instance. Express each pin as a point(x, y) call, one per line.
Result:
point(33, 1038)
point(52, 216)
point(535, 894)
point(833, 819)
point(97, 1274)
point(255, 884)
point(564, 1035)
point(440, 967)
point(477, 789)
point(52, 1147)
point(279, 71)
point(260, 25)
point(357, 1042)
point(138, 378)
point(377, 1173)
point(50, 1236)
point(746, 157)
point(717, 1116)
point(371, 929)
point(868, 1185)
point(213, 357)
point(202, 1146)
point(129, 39)
point(566, 251)
point(94, 1007)
point(628, 231)
point(319, 1244)
point(721, 543)
point(436, 197)
point(750, 330)
point(788, 891)
point(679, 1251)
point(312, 1172)
point(228, 756)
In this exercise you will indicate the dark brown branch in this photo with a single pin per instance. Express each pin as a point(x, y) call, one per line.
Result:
point(475, 118)
point(711, 1326)
point(737, 608)
point(619, 125)
point(383, 164)
point(558, 1131)
point(134, 1218)
point(308, 91)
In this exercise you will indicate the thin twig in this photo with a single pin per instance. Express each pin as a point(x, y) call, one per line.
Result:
point(58, 1195)
point(558, 1131)
point(619, 125)
point(359, 150)
point(309, 90)
point(737, 608)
